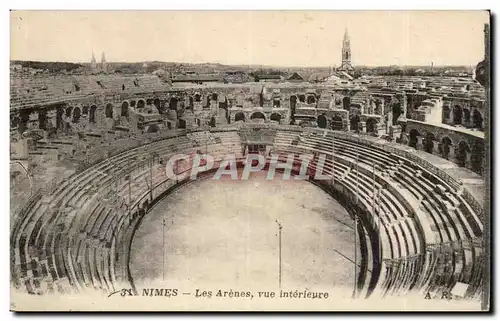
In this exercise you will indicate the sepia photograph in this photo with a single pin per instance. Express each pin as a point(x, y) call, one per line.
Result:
point(250, 160)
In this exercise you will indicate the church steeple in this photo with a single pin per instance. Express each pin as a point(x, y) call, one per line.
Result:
point(346, 53)
point(346, 37)
point(104, 64)
point(93, 63)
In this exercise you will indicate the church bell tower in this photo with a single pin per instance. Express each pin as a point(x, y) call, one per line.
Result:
point(346, 54)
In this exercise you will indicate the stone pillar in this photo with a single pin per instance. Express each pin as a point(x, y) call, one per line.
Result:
point(420, 145)
point(362, 126)
point(100, 116)
point(436, 150)
point(389, 122)
point(395, 132)
point(404, 105)
point(404, 139)
point(468, 163)
point(133, 123)
point(380, 129)
point(346, 125)
point(214, 106)
point(52, 119)
point(33, 122)
point(451, 154)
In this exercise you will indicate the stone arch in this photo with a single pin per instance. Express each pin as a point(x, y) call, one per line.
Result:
point(370, 125)
point(92, 112)
point(239, 116)
point(141, 104)
point(109, 111)
point(396, 112)
point(42, 118)
point(76, 115)
point(311, 99)
point(457, 115)
point(446, 113)
point(322, 122)
point(206, 101)
point(153, 128)
point(157, 103)
point(223, 104)
point(463, 150)
point(477, 119)
point(337, 123)
point(378, 107)
point(346, 102)
point(276, 117)
point(24, 118)
point(293, 105)
point(124, 110)
point(223, 113)
point(14, 121)
point(429, 142)
point(132, 103)
point(446, 144)
point(172, 103)
point(476, 157)
point(59, 117)
point(257, 115)
point(69, 111)
point(414, 134)
point(466, 116)
point(355, 123)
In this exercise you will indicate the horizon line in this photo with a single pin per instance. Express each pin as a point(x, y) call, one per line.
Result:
point(243, 64)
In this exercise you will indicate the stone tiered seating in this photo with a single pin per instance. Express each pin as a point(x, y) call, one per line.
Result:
point(440, 224)
point(38, 90)
point(404, 239)
point(76, 236)
point(81, 262)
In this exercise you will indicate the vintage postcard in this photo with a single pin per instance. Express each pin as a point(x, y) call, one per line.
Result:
point(250, 161)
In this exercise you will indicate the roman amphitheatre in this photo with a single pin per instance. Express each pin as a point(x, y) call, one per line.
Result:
point(92, 209)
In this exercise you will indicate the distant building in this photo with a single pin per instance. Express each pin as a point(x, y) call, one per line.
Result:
point(295, 77)
point(98, 68)
point(93, 63)
point(197, 79)
point(346, 54)
point(267, 78)
point(235, 77)
point(159, 72)
point(104, 64)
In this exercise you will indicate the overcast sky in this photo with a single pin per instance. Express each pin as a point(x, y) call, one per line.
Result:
point(286, 38)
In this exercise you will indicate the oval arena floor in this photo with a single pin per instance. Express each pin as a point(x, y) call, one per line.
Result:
point(225, 233)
